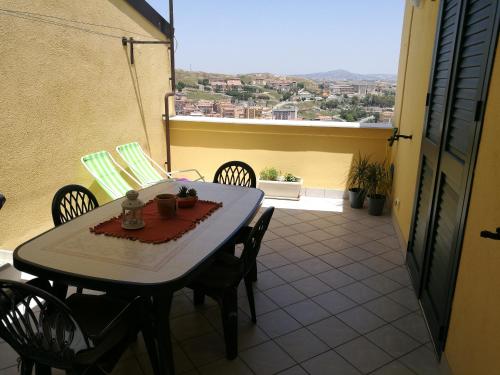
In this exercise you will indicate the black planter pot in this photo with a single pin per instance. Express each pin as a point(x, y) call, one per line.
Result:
point(357, 197)
point(376, 204)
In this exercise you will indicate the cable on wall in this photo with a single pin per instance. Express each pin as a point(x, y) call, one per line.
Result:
point(66, 23)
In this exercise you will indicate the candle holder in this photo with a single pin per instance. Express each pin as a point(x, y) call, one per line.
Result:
point(132, 211)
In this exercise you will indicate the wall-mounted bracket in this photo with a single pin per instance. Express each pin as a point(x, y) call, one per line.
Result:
point(132, 41)
point(395, 136)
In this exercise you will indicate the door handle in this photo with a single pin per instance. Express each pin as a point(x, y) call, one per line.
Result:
point(491, 235)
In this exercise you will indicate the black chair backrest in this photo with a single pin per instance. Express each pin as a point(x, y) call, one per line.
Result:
point(71, 201)
point(39, 326)
point(252, 243)
point(236, 173)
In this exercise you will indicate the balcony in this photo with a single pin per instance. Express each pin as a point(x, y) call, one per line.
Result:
point(332, 294)
point(333, 291)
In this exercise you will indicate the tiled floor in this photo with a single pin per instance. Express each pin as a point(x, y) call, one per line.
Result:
point(333, 297)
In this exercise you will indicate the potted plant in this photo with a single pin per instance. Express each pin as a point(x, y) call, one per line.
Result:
point(186, 197)
point(379, 181)
point(279, 186)
point(356, 180)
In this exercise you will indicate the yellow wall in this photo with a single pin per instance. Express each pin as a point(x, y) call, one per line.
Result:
point(65, 93)
point(472, 344)
point(415, 64)
point(321, 156)
point(474, 338)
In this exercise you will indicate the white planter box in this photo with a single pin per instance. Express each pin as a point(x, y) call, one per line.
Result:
point(281, 189)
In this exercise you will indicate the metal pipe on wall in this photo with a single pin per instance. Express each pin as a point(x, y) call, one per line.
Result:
point(172, 84)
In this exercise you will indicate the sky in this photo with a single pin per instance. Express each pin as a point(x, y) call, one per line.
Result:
point(286, 36)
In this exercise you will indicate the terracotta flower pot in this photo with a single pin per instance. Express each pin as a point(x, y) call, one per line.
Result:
point(186, 202)
point(167, 205)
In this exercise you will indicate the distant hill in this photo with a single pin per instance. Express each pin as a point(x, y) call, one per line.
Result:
point(340, 75)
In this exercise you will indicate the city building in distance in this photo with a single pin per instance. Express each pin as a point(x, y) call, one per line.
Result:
point(272, 97)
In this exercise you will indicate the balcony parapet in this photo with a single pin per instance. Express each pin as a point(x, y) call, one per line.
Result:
point(321, 152)
point(295, 123)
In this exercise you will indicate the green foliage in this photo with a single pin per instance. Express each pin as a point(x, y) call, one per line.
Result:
point(286, 96)
point(288, 177)
point(192, 193)
point(272, 174)
point(329, 104)
point(269, 174)
point(386, 100)
point(204, 81)
point(183, 192)
point(352, 113)
point(300, 85)
point(180, 85)
point(378, 179)
point(240, 95)
point(249, 88)
point(263, 97)
point(357, 177)
point(197, 95)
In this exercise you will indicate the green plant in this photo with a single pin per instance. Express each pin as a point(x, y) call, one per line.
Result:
point(269, 174)
point(358, 173)
point(379, 179)
point(192, 193)
point(183, 192)
point(180, 86)
point(288, 177)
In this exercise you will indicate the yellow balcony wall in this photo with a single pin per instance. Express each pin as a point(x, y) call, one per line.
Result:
point(318, 152)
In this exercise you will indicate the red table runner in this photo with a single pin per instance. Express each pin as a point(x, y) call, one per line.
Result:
point(158, 229)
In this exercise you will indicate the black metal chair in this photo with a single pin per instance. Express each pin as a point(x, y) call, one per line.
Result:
point(86, 334)
point(71, 201)
point(236, 173)
point(220, 281)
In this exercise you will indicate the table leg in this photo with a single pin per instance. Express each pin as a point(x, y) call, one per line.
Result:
point(161, 312)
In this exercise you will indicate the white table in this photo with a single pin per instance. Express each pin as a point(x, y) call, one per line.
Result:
point(73, 255)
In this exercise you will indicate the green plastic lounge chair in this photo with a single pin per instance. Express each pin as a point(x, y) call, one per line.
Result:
point(106, 171)
point(147, 171)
